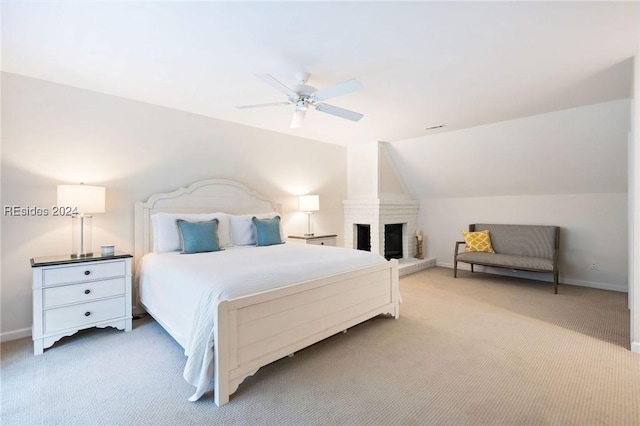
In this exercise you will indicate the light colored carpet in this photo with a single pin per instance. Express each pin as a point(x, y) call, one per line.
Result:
point(480, 349)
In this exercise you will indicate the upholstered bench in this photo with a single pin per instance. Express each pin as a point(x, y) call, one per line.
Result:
point(519, 247)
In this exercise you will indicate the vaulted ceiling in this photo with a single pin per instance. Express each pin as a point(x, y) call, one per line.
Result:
point(461, 64)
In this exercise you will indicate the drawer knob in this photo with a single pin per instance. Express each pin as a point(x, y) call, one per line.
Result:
point(87, 272)
point(86, 314)
point(87, 291)
point(321, 244)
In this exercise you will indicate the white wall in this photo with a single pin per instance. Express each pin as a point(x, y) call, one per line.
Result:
point(54, 134)
point(371, 173)
point(566, 168)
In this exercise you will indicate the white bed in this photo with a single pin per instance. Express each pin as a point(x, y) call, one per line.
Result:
point(293, 296)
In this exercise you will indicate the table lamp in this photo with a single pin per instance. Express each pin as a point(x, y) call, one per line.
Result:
point(82, 201)
point(309, 204)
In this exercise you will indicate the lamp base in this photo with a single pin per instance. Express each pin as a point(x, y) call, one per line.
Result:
point(309, 233)
point(81, 236)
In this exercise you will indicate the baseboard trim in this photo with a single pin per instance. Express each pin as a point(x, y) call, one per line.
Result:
point(7, 336)
point(601, 286)
point(533, 276)
point(635, 347)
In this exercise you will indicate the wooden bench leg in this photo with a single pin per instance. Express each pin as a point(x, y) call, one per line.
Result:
point(472, 267)
point(455, 268)
point(555, 281)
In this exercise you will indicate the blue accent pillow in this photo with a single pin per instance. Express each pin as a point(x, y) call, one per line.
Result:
point(198, 237)
point(267, 231)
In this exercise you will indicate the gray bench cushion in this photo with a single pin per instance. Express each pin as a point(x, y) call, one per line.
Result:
point(521, 240)
point(507, 260)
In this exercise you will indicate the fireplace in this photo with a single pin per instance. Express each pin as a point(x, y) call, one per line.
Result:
point(393, 241)
point(363, 237)
point(379, 213)
point(385, 227)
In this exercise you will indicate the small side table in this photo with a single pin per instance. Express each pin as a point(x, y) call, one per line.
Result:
point(318, 240)
point(71, 294)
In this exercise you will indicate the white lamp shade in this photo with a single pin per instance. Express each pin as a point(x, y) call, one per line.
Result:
point(309, 203)
point(85, 198)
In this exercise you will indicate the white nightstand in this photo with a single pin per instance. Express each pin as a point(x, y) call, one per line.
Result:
point(70, 295)
point(318, 240)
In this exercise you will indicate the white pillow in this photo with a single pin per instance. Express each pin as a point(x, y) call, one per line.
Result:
point(243, 232)
point(166, 236)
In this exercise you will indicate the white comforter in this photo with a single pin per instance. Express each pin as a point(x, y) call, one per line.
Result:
point(189, 286)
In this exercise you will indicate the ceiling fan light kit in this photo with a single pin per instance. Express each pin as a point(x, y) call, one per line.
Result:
point(302, 96)
point(298, 118)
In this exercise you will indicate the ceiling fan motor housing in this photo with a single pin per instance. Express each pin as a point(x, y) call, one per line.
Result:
point(304, 90)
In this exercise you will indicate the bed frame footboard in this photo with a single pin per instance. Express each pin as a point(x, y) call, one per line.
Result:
point(256, 330)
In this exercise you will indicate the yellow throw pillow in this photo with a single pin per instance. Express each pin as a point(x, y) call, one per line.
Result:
point(477, 241)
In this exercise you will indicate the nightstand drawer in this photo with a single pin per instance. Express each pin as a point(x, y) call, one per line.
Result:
point(83, 292)
point(315, 240)
point(330, 241)
point(83, 272)
point(86, 313)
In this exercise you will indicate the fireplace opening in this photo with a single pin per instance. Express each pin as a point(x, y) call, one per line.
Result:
point(393, 241)
point(363, 237)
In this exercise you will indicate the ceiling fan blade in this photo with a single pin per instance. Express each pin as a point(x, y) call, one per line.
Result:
point(339, 112)
point(264, 105)
point(276, 84)
point(337, 90)
point(298, 118)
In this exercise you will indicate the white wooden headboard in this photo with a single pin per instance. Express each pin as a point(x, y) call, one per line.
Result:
point(207, 196)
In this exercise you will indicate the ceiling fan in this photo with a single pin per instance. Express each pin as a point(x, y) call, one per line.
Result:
point(303, 96)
